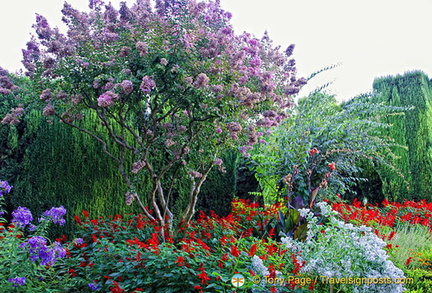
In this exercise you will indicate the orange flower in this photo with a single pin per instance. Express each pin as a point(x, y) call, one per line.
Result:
point(313, 151)
point(332, 166)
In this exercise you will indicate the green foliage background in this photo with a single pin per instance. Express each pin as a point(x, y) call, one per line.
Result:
point(413, 130)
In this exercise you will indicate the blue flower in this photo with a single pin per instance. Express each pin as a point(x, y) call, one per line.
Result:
point(93, 286)
point(55, 215)
point(22, 216)
point(4, 187)
point(19, 281)
point(38, 249)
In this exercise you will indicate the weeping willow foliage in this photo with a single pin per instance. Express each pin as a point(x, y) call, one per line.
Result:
point(414, 130)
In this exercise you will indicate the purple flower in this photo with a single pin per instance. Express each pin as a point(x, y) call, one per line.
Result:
point(124, 51)
point(127, 86)
point(93, 286)
point(201, 80)
point(48, 110)
point(164, 62)
point(234, 127)
point(4, 187)
point(147, 84)
point(218, 162)
point(142, 47)
point(195, 174)
point(78, 241)
point(19, 281)
point(136, 166)
point(107, 99)
point(46, 95)
point(256, 62)
point(22, 216)
point(188, 80)
point(289, 50)
point(55, 215)
point(38, 249)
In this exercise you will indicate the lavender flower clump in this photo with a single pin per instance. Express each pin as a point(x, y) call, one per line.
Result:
point(4, 187)
point(18, 281)
point(93, 286)
point(107, 99)
point(38, 249)
point(22, 216)
point(55, 215)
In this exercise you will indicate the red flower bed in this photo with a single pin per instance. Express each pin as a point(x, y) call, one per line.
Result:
point(389, 214)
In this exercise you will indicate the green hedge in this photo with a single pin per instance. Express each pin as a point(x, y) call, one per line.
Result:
point(413, 130)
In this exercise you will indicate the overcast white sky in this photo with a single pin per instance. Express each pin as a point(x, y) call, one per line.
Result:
point(370, 38)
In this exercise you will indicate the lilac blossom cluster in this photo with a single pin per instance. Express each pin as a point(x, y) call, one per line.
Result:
point(250, 59)
point(6, 84)
point(107, 99)
point(39, 250)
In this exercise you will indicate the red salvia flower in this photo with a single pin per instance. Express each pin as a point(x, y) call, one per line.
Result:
point(180, 261)
point(253, 249)
point(204, 277)
point(234, 251)
point(78, 220)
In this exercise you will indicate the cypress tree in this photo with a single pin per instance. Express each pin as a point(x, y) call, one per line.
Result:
point(62, 166)
point(413, 130)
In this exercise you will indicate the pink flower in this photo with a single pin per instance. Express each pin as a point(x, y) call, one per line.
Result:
point(169, 142)
point(164, 62)
point(107, 99)
point(147, 84)
point(127, 86)
point(142, 48)
point(201, 80)
point(195, 174)
point(48, 110)
point(218, 162)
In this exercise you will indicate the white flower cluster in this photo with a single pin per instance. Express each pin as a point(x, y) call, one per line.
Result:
point(340, 250)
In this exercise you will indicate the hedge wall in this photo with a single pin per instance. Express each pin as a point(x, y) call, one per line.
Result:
point(414, 130)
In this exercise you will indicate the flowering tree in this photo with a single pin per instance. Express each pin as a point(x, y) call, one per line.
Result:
point(172, 85)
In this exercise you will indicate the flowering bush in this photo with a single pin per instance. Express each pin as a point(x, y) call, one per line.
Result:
point(340, 250)
point(27, 263)
point(172, 85)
